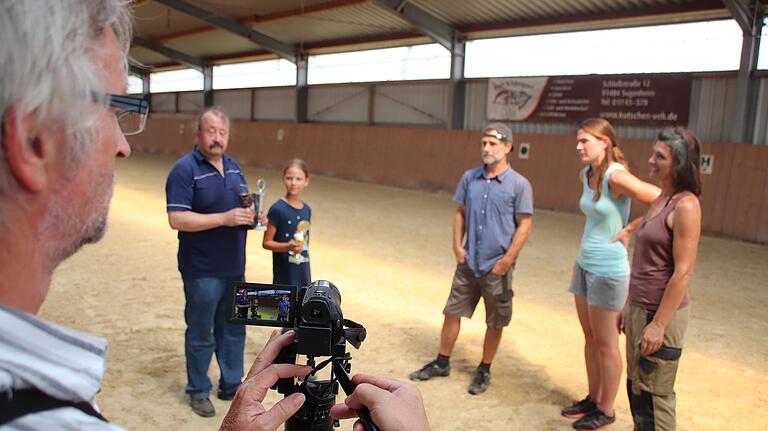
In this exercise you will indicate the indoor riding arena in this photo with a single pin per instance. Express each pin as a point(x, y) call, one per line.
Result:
point(385, 156)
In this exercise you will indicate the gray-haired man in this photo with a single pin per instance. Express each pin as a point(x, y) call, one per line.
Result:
point(491, 225)
point(64, 117)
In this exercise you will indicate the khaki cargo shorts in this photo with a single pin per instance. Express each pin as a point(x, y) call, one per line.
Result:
point(467, 289)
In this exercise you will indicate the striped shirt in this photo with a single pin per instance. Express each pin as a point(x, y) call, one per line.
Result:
point(63, 363)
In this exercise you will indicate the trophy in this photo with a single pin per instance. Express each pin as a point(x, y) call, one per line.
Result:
point(258, 201)
point(246, 200)
point(299, 237)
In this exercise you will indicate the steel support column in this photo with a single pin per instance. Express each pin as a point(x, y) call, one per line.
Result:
point(144, 75)
point(749, 16)
point(207, 86)
point(458, 84)
point(302, 92)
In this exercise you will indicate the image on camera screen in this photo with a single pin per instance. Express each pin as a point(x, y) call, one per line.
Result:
point(263, 304)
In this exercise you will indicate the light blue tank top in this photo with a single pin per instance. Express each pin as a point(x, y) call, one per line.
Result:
point(605, 218)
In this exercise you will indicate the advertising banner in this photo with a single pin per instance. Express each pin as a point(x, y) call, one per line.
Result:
point(634, 99)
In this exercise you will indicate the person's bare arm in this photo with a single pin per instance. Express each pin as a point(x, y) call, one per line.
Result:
point(626, 233)
point(458, 235)
point(623, 184)
point(269, 243)
point(523, 231)
point(190, 221)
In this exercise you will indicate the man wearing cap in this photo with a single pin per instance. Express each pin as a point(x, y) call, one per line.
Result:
point(491, 225)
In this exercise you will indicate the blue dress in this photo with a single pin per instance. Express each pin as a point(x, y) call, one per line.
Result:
point(285, 218)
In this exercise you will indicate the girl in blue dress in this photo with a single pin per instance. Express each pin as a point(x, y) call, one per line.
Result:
point(290, 255)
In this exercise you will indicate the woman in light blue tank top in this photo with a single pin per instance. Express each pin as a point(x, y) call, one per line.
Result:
point(601, 273)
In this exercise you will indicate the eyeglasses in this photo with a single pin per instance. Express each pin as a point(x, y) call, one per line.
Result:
point(132, 111)
point(131, 115)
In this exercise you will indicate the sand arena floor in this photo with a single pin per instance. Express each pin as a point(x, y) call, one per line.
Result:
point(389, 252)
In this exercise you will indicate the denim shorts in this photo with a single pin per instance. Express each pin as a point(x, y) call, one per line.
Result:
point(603, 292)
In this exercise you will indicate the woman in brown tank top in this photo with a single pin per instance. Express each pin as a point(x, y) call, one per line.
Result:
point(656, 314)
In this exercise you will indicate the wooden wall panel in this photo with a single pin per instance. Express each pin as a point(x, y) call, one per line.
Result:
point(715, 187)
point(172, 134)
point(726, 186)
point(748, 186)
point(734, 201)
point(758, 192)
point(709, 184)
point(761, 234)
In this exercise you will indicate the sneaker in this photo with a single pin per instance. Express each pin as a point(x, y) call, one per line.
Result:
point(430, 370)
point(202, 407)
point(579, 408)
point(593, 420)
point(480, 382)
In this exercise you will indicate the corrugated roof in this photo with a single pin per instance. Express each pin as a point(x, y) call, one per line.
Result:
point(484, 15)
point(356, 21)
point(323, 25)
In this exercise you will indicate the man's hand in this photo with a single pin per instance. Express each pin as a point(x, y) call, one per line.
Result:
point(461, 254)
point(394, 405)
point(246, 411)
point(238, 217)
point(501, 267)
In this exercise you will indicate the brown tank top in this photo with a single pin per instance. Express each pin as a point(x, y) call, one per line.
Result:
point(653, 261)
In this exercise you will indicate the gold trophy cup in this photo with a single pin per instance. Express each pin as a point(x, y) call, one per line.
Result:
point(299, 237)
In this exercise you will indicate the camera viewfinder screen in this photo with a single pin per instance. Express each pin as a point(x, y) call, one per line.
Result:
point(263, 304)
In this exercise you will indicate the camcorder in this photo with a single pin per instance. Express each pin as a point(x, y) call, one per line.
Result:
point(314, 313)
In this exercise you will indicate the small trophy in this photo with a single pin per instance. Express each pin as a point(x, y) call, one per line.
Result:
point(258, 201)
point(299, 237)
point(246, 200)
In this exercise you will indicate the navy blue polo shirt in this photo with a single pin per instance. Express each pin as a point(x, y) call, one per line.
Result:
point(490, 206)
point(195, 185)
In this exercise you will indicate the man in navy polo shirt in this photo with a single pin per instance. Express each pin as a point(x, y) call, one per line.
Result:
point(495, 218)
point(203, 202)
